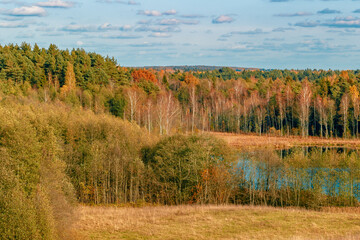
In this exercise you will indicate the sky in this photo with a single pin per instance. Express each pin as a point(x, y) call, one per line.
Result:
point(282, 34)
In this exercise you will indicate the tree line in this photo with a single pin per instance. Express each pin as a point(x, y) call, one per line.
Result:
point(283, 102)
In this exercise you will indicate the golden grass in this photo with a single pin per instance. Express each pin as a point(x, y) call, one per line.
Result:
point(217, 222)
point(255, 141)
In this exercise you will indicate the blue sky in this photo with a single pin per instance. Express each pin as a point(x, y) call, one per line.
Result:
point(293, 34)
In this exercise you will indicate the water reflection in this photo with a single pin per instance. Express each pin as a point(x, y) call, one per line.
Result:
point(301, 176)
point(309, 149)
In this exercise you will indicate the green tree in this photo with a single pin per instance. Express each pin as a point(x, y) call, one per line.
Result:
point(178, 161)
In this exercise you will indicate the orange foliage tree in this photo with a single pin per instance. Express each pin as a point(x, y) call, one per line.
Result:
point(143, 74)
point(217, 184)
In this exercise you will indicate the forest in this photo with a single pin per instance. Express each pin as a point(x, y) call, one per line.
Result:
point(75, 127)
point(281, 102)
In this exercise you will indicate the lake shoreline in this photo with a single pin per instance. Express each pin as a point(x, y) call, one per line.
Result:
point(239, 141)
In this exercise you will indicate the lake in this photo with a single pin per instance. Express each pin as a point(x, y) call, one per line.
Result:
point(329, 173)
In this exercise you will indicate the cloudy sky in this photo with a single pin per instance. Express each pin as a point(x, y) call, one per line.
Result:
point(294, 34)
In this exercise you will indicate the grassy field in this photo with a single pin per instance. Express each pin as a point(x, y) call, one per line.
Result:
point(255, 141)
point(217, 222)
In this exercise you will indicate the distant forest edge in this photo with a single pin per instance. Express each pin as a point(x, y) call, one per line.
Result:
point(199, 68)
point(307, 102)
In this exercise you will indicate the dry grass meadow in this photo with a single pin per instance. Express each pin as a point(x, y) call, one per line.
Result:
point(217, 222)
point(278, 142)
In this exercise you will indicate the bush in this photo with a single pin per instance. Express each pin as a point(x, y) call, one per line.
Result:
point(178, 162)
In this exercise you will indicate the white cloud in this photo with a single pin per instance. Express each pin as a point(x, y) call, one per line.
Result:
point(164, 29)
point(56, 4)
point(160, 35)
point(174, 21)
point(151, 13)
point(171, 21)
point(27, 11)
point(298, 14)
point(344, 22)
point(78, 28)
point(107, 26)
point(170, 12)
point(250, 32)
point(155, 13)
point(12, 25)
point(131, 2)
point(123, 36)
point(125, 28)
point(73, 27)
point(144, 22)
point(223, 19)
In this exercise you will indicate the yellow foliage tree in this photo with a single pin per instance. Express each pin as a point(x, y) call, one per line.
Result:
point(354, 93)
point(70, 80)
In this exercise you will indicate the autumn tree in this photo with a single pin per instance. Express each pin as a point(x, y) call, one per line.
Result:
point(258, 107)
point(281, 103)
point(344, 111)
point(139, 74)
point(289, 102)
point(239, 91)
point(70, 81)
point(354, 93)
point(149, 108)
point(167, 110)
point(191, 83)
point(331, 116)
point(305, 101)
point(133, 96)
